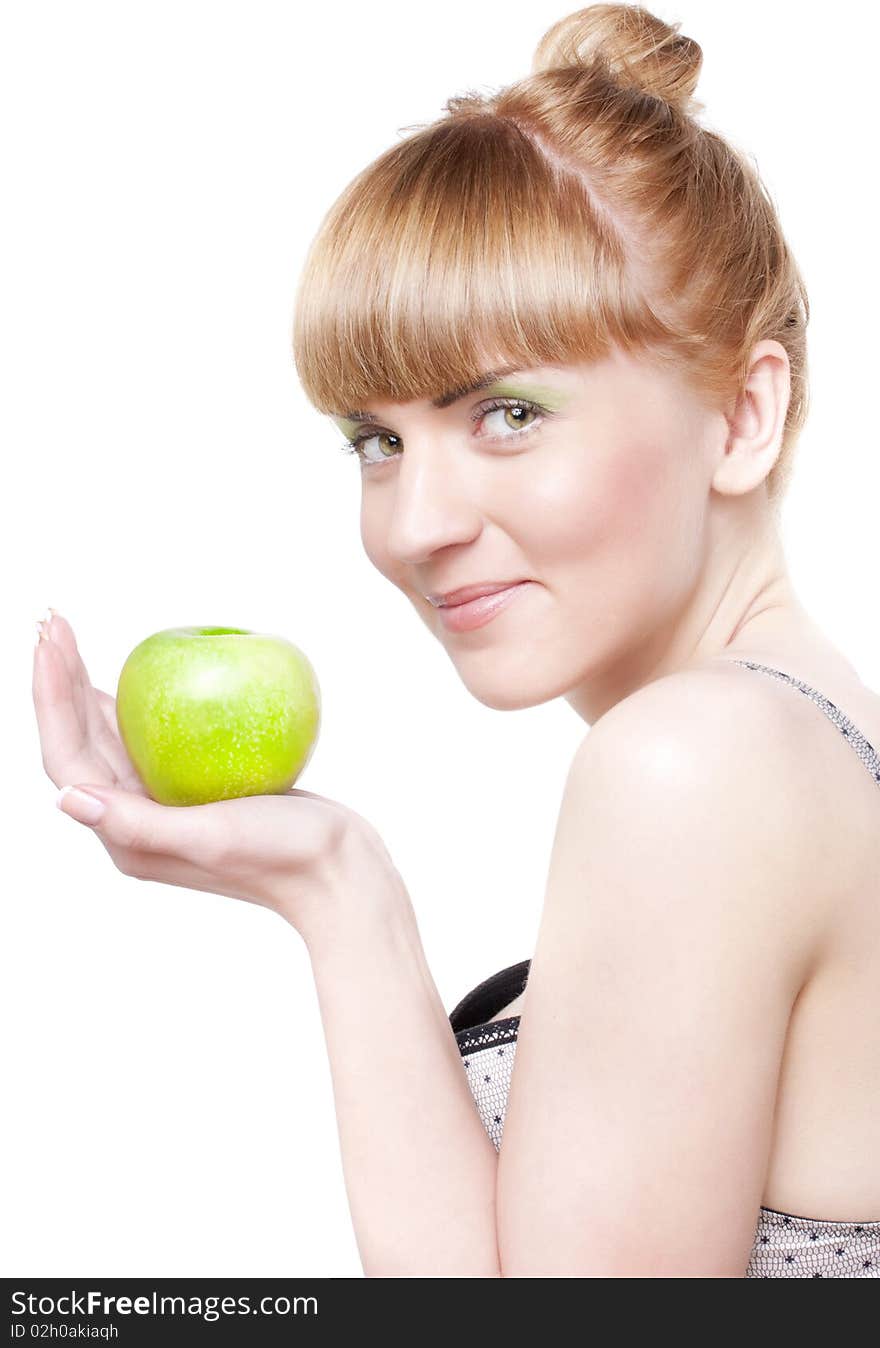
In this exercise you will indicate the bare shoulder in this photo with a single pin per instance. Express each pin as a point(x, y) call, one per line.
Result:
point(721, 724)
point(698, 778)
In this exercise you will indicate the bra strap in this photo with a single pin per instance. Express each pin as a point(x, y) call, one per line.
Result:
point(863, 747)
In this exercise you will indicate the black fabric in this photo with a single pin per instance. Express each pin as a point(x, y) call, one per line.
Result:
point(489, 997)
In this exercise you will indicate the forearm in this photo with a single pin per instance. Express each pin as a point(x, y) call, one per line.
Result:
point(420, 1169)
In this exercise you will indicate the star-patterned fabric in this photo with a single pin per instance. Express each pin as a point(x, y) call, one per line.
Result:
point(785, 1245)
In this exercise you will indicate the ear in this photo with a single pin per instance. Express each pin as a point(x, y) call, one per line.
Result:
point(756, 421)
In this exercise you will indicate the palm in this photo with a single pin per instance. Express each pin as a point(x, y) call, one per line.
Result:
point(79, 736)
point(284, 851)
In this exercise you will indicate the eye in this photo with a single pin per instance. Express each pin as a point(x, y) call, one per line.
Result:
point(520, 409)
point(356, 446)
point(517, 408)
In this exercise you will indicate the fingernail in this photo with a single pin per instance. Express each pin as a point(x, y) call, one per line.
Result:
point(82, 807)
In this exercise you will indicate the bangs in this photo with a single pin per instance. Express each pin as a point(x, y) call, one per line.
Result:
point(464, 246)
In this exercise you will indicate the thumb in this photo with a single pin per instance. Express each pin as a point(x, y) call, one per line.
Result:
point(81, 803)
point(127, 819)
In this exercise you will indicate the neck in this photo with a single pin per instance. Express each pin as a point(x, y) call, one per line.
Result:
point(743, 602)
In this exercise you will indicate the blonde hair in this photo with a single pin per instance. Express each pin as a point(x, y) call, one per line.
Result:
point(581, 206)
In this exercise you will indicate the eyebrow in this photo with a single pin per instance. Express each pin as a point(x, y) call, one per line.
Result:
point(446, 399)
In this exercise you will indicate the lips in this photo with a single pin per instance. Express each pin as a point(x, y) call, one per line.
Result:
point(475, 613)
point(469, 592)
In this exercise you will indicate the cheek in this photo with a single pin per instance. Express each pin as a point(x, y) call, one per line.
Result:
point(613, 536)
point(601, 507)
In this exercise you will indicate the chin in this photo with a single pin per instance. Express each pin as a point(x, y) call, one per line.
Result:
point(510, 694)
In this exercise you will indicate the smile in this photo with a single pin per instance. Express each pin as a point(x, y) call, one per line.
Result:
point(478, 612)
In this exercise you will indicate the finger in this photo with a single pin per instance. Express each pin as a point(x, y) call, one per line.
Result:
point(168, 870)
point(58, 632)
point(85, 696)
point(246, 845)
point(108, 709)
point(63, 734)
point(61, 633)
point(129, 822)
point(112, 746)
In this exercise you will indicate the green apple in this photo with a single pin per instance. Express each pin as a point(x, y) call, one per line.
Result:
point(212, 713)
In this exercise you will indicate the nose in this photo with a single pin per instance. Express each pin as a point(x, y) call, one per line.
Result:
point(435, 503)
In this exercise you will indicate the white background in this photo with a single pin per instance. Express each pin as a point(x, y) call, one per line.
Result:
point(165, 166)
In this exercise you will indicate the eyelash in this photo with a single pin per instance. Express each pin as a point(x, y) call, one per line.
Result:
point(353, 446)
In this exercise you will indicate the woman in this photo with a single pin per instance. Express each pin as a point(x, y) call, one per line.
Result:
point(564, 334)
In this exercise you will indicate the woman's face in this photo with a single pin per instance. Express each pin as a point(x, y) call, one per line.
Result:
point(590, 494)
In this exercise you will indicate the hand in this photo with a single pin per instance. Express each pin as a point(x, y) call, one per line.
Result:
point(299, 854)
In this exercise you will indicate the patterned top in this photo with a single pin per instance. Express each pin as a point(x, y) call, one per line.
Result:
point(785, 1245)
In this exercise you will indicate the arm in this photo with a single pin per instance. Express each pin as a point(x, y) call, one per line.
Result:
point(679, 927)
point(419, 1167)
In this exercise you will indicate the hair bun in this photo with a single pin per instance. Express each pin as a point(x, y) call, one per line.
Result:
point(636, 48)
